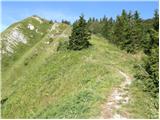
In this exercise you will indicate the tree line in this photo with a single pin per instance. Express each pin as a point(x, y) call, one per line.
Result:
point(129, 32)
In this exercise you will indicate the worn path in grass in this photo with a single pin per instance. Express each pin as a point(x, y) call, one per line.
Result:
point(118, 98)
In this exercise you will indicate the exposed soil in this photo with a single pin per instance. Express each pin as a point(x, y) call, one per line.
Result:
point(118, 97)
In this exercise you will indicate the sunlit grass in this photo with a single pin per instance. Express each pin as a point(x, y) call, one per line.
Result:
point(46, 83)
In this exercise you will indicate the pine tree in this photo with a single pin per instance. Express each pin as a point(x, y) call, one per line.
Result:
point(104, 18)
point(151, 62)
point(156, 20)
point(90, 20)
point(65, 22)
point(136, 16)
point(136, 32)
point(120, 30)
point(80, 35)
point(107, 30)
point(128, 31)
point(152, 43)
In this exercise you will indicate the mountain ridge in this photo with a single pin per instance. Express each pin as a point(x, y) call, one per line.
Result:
point(43, 79)
point(15, 31)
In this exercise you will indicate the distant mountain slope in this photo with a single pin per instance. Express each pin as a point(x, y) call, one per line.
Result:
point(26, 31)
point(42, 79)
point(22, 36)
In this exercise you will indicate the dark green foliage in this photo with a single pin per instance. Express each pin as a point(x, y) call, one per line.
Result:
point(66, 22)
point(26, 63)
point(150, 74)
point(156, 20)
point(80, 35)
point(129, 31)
point(50, 22)
point(132, 34)
point(50, 40)
point(151, 64)
point(151, 41)
point(3, 101)
point(107, 30)
point(136, 16)
point(120, 27)
point(145, 42)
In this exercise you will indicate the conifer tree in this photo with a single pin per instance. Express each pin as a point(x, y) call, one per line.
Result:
point(120, 30)
point(104, 18)
point(136, 32)
point(150, 64)
point(128, 31)
point(136, 16)
point(90, 20)
point(156, 20)
point(80, 35)
point(107, 30)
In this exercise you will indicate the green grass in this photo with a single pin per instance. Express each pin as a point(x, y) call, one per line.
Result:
point(48, 82)
point(63, 84)
point(141, 106)
point(32, 38)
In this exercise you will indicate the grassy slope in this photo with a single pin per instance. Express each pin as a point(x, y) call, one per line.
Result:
point(141, 106)
point(32, 38)
point(39, 49)
point(63, 84)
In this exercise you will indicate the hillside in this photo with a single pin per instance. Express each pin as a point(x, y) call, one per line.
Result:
point(42, 79)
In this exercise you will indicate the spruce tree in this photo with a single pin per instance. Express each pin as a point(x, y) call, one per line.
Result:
point(150, 64)
point(136, 16)
point(156, 20)
point(120, 31)
point(80, 35)
point(128, 31)
point(107, 30)
point(136, 32)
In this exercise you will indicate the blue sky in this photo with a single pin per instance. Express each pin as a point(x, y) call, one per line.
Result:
point(16, 11)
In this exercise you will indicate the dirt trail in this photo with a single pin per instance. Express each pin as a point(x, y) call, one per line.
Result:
point(118, 97)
